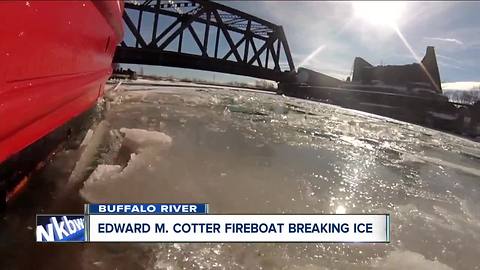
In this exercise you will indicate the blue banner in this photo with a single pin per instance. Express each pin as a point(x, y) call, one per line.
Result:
point(146, 209)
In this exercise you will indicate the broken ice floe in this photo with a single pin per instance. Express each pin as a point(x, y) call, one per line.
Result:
point(406, 259)
point(145, 150)
point(90, 145)
point(139, 138)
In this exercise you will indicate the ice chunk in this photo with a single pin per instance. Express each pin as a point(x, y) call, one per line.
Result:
point(406, 260)
point(103, 172)
point(91, 145)
point(137, 139)
point(422, 159)
point(135, 181)
point(146, 158)
point(87, 138)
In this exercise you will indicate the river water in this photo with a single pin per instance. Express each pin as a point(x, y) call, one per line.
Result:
point(255, 152)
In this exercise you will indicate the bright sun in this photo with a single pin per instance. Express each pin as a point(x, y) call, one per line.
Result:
point(379, 13)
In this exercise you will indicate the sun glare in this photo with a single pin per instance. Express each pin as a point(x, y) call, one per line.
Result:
point(379, 13)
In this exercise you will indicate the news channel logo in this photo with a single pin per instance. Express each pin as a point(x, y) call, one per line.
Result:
point(60, 228)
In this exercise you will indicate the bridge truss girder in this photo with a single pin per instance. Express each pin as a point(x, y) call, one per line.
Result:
point(251, 47)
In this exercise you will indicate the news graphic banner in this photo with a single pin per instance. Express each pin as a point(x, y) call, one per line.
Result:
point(192, 223)
point(60, 228)
point(152, 209)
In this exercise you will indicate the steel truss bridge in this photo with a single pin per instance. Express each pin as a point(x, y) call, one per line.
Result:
point(204, 35)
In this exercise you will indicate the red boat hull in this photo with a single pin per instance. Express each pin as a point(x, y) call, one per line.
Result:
point(55, 57)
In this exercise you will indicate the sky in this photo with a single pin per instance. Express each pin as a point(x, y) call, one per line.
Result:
point(327, 36)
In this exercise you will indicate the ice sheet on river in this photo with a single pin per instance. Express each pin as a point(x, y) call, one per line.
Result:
point(246, 152)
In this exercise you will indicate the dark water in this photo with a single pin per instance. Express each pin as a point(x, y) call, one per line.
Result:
point(248, 152)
